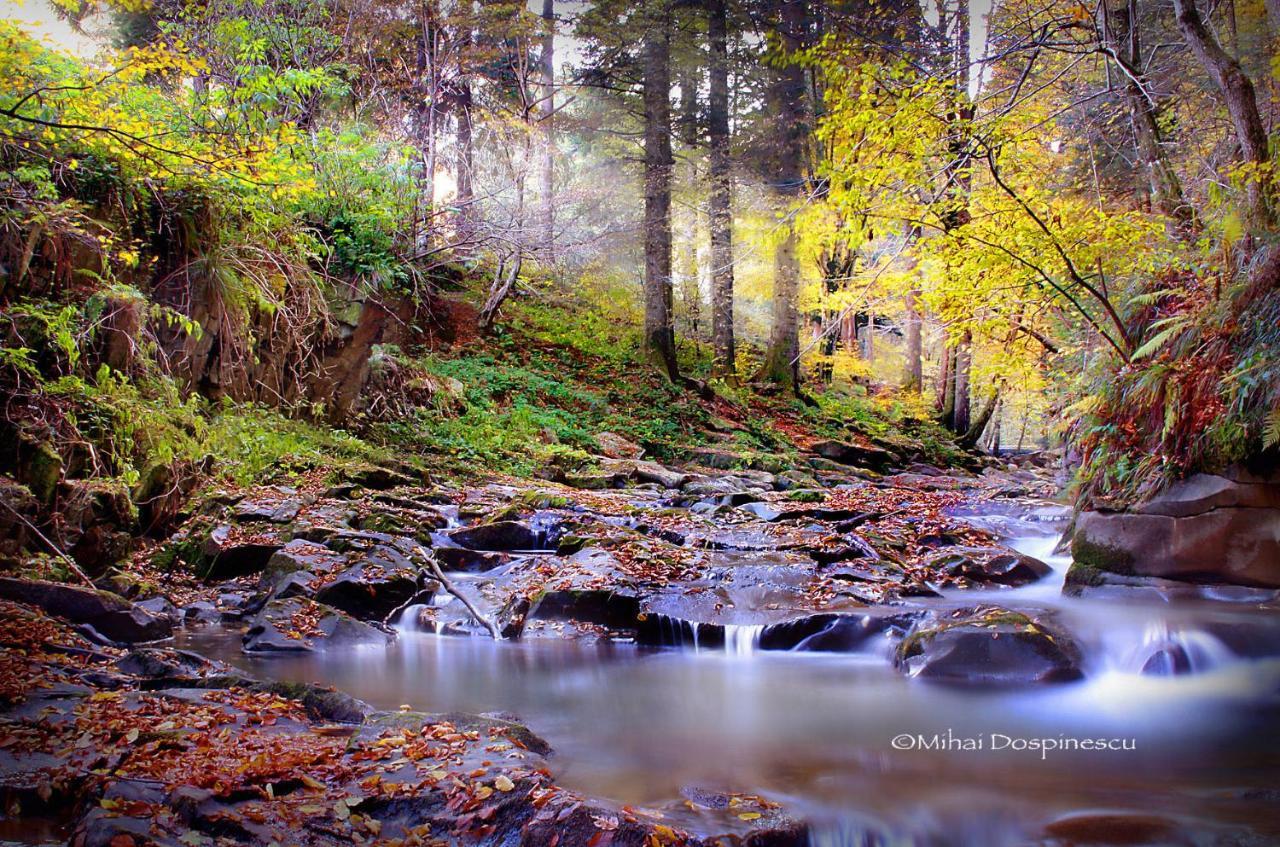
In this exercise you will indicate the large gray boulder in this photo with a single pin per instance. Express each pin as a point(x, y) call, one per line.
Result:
point(988, 646)
point(296, 625)
point(108, 615)
point(1208, 528)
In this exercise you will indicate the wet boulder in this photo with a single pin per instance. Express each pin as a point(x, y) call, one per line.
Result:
point(988, 646)
point(509, 535)
point(467, 560)
point(988, 565)
point(169, 665)
point(656, 473)
point(606, 608)
point(374, 588)
point(107, 615)
point(300, 555)
point(833, 633)
point(232, 551)
point(298, 625)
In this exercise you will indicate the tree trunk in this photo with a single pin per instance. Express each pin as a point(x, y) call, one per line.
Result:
point(659, 336)
point(466, 163)
point(781, 365)
point(1241, 102)
point(504, 284)
point(465, 154)
point(546, 167)
point(913, 379)
point(973, 433)
point(964, 360)
point(1123, 37)
point(720, 199)
point(947, 386)
point(425, 121)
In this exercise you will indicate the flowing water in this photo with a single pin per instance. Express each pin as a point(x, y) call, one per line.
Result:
point(1183, 699)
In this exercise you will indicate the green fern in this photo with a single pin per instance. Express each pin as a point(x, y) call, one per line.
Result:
point(1171, 328)
point(1271, 429)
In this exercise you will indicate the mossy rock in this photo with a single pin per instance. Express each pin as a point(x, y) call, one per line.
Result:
point(541, 500)
point(988, 646)
point(42, 471)
point(1088, 554)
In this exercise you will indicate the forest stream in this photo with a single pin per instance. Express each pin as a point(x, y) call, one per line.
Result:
point(1186, 692)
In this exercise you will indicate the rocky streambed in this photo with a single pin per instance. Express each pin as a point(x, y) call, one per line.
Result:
point(687, 655)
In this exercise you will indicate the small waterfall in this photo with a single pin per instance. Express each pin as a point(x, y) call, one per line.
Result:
point(411, 620)
point(742, 640)
point(1169, 651)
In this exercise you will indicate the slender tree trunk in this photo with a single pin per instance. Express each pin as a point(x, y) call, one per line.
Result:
point(425, 121)
point(913, 380)
point(720, 199)
point(994, 435)
point(1123, 38)
point(465, 164)
point(781, 365)
point(546, 165)
point(947, 386)
point(508, 272)
point(658, 333)
point(1241, 101)
point(964, 361)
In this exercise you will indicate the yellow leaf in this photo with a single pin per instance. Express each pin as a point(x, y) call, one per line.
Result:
point(504, 783)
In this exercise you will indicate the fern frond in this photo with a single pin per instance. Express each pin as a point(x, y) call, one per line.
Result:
point(1156, 342)
point(1271, 429)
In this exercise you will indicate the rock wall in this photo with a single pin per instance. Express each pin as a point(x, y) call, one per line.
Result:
point(1209, 528)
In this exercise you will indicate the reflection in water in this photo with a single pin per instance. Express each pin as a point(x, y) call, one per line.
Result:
point(816, 730)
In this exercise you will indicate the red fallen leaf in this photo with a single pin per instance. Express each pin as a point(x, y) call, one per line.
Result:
point(123, 840)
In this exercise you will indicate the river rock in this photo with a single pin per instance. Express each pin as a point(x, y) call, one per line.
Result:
point(857, 455)
point(469, 561)
point(278, 506)
point(109, 615)
point(654, 472)
point(988, 646)
point(508, 535)
point(298, 625)
point(607, 608)
point(302, 555)
point(374, 588)
point(1205, 529)
point(998, 565)
point(232, 551)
